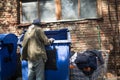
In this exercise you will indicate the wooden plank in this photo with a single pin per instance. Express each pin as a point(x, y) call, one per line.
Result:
point(79, 8)
point(58, 9)
point(38, 9)
point(99, 8)
point(20, 11)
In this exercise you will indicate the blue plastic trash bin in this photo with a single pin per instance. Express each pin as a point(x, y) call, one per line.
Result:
point(57, 65)
point(8, 57)
point(24, 70)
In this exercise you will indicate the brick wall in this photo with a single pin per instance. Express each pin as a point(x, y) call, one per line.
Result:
point(8, 16)
point(85, 34)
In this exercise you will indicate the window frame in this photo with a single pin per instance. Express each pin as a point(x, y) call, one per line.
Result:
point(58, 11)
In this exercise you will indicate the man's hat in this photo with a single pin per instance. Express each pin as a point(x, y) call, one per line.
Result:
point(36, 22)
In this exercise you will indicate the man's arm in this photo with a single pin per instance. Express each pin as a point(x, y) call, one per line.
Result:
point(43, 37)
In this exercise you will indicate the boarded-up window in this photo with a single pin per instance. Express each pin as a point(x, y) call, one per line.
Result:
point(54, 10)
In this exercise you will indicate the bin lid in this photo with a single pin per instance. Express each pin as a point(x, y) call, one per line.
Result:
point(60, 36)
point(8, 38)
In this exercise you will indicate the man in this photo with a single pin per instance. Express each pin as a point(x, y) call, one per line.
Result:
point(34, 50)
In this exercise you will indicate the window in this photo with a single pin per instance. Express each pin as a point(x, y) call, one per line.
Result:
point(47, 10)
point(55, 10)
point(69, 9)
point(29, 11)
point(88, 9)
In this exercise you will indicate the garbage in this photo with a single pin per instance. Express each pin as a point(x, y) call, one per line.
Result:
point(84, 71)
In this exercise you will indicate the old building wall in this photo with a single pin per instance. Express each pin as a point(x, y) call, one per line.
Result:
point(8, 16)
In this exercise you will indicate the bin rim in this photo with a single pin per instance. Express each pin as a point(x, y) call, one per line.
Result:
point(62, 41)
point(4, 36)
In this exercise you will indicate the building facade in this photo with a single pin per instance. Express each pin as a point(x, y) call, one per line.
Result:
point(93, 24)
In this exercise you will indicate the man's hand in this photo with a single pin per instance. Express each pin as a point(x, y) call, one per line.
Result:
point(52, 40)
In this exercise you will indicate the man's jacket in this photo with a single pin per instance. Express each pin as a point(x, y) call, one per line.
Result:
point(34, 44)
